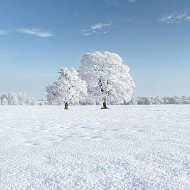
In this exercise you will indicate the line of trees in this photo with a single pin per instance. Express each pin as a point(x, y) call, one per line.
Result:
point(159, 100)
point(146, 101)
point(102, 77)
point(15, 98)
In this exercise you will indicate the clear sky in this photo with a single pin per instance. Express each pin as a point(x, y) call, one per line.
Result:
point(37, 37)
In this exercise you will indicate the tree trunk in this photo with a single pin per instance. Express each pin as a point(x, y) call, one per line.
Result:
point(104, 105)
point(66, 105)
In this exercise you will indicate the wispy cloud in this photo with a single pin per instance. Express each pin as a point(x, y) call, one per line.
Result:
point(3, 32)
point(98, 28)
point(36, 32)
point(175, 18)
point(131, 1)
point(118, 2)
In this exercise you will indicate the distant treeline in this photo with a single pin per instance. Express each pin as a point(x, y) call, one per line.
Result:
point(15, 98)
point(159, 100)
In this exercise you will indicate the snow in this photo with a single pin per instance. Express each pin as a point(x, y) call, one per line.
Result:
point(86, 148)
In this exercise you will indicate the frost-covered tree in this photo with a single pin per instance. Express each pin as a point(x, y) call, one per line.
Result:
point(107, 77)
point(17, 98)
point(69, 88)
point(144, 101)
point(133, 101)
point(4, 101)
point(3, 96)
point(13, 98)
point(185, 100)
point(157, 100)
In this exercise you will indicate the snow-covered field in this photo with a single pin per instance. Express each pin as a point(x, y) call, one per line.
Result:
point(86, 148)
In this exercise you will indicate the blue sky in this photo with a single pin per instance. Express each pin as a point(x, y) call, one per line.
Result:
point(37, 37)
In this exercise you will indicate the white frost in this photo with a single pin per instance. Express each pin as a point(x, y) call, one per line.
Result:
point(107, 77)
point(86, 148)
point(68, 88)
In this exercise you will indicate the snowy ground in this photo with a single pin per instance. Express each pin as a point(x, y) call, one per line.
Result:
point(85, 148)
